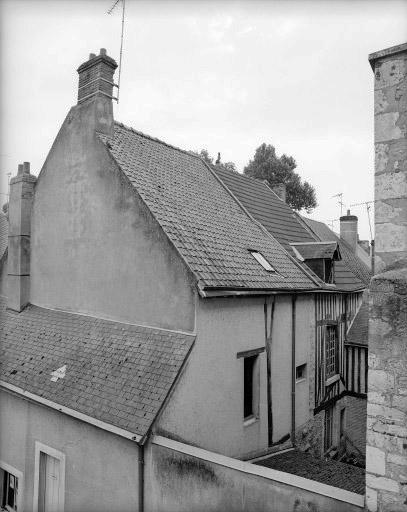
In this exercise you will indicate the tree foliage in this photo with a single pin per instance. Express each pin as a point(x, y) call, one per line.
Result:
point(204, 154)
point(266, 165)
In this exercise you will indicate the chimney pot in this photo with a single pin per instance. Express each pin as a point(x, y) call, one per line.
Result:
point(92, 56)
point(20, 169)
point(102, 51)
point(26, 167)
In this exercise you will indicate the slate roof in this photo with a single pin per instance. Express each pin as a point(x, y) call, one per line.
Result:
point(210, 230)
point(3, 234)
point(317, 250)
point(352, 271)
point(288, 227)
point(116, 373)
point(330, 472)
point(358, 331)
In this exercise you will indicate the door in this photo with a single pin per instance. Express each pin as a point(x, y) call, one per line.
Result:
point(49, 484)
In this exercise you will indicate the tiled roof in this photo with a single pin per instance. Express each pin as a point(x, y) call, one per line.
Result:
point(330, 472)
point(208, 227)
point(351, 271)
point(317, 250)
point(358, 331)
point(287, 227)
point(116, 373)
point(3, 234)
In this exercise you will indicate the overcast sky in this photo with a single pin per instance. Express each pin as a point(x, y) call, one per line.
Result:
point(226, 76)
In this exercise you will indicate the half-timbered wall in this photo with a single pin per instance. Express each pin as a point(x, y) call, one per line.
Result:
point(333, 309)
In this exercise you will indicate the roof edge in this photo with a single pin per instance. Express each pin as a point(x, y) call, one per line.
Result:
point(132, 436)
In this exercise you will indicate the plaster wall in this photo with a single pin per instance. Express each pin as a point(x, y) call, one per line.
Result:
point(180, 482)
point(96, 249)
point(3, 277)
point(212, 384)
point(101, 469)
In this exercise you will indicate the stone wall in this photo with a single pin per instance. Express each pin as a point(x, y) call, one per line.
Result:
point(386, 450)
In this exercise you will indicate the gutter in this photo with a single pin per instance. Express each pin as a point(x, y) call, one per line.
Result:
point(207, 292)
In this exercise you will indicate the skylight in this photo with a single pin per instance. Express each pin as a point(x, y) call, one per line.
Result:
point(262, 260)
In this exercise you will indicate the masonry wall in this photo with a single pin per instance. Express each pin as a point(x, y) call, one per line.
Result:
point(386, 450)
point(183, 482)
point(96, 249)
point(101, 469)
point(215, 375)
point(3, 276)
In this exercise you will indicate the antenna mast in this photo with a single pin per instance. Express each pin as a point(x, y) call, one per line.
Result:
point(368, 208)
point(121, 40)
point(340, 195)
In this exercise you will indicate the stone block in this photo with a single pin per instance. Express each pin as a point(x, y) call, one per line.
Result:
point(380, 482)
point(393, 458)
point(380, 380)
point(371, 500)
point(400, 402)
point(375, 460)
point(386, 127)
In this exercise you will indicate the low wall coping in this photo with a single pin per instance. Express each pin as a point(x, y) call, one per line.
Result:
point(268, 473)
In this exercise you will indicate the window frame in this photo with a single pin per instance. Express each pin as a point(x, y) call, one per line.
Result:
point(48, 450)
point(255, 385)
point(261, 260)
point(331, 377)
point(329, 419)
point(7, 468)
point(304, 373)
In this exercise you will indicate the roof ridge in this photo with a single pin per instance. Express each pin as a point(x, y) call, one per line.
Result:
point(155, 139)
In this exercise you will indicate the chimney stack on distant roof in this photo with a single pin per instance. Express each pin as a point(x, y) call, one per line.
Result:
point(281, 191)
point(19, 216)
point(349, 229)
point(96, 76)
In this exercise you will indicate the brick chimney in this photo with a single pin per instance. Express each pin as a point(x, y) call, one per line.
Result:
point(18, 260)
point(349, 229)
point(96, 88)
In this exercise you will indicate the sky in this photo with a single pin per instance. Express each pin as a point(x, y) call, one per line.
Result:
point(221, 75)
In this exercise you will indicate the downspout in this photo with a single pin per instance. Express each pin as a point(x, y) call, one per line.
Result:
point(141, 479)
point(268, 338)
point(293, 323)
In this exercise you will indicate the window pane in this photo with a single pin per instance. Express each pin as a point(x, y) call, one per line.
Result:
point(248, 385)
point(331, 341)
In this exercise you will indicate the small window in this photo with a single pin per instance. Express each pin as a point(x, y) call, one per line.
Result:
point(300, 372)
point(251, 387)
point(331, 351)
point(9, 498)
point(262, 260)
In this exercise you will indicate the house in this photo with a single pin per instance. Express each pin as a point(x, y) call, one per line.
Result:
point(154, 333)
point(338, 387)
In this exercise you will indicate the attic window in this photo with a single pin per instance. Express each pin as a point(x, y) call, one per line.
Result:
point(262, 260)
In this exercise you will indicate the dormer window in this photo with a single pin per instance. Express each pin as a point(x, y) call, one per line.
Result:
point(320, 257)
point(262, 260)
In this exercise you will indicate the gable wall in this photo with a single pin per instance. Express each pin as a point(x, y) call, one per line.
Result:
point(96, 249)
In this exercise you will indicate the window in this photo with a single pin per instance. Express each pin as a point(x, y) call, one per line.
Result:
point(49, 479)
point(262, 260)
point(331, 351)
point(300, 372)
point(10, 488)
point(328, 428)
point(342, 423)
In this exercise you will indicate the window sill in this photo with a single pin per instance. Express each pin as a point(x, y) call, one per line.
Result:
point(332, 379)
point(300, 380)
point(250, 420)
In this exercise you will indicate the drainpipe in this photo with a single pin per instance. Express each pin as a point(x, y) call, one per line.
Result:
point(141, 479)
point(293, 322)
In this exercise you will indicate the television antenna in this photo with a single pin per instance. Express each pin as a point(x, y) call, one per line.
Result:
point(331, 223)
point(121, 40)
point(368, 205)
point(340, 200)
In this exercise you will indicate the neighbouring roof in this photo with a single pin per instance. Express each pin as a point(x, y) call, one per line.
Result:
point(210, 230)
point(330, 472)
point(3, 234)
point(116, 373)
point(351, 271)
point(318, 250)
point(287, 227)
point(358, 332)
